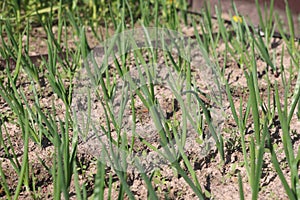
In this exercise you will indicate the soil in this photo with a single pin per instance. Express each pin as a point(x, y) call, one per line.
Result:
point(220, 180)
point(247, 9)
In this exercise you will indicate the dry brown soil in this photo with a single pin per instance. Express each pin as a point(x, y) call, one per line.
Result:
point(219, 179)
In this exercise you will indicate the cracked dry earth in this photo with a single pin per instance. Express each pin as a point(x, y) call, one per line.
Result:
point(219, 179)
